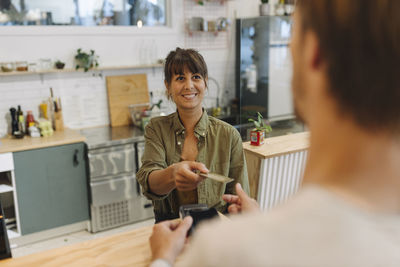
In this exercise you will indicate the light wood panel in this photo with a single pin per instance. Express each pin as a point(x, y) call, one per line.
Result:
point(253, 169)
point(123, 91)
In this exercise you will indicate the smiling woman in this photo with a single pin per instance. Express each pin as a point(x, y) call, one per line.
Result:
point(188, 142)
point(186, 78)
point(83, 12)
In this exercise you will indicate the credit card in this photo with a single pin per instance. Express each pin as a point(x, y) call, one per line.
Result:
point(216, 177)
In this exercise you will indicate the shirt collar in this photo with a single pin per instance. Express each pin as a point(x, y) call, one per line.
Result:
point(201, 126)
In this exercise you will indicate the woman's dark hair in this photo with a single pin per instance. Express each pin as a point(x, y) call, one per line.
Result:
point(360, 41)
point(179, 59)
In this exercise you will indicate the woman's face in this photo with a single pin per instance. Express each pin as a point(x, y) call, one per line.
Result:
point(187, 90)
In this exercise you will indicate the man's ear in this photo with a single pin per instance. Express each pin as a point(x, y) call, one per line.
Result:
point(313, 52)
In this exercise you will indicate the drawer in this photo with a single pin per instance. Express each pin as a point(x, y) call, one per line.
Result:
point(112, 160)
point(119, 188)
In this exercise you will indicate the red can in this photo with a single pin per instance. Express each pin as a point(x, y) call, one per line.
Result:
point(257, 138)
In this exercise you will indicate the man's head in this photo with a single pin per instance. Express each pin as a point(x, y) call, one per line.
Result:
point(352, 49)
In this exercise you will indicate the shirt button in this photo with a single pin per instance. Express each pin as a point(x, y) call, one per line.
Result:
point(179, 143)
point(204, 134)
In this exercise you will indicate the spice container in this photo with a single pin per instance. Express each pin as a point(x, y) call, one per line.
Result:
point(45, 64)
point(7, 66)
point(32, 66)
point(21, 66)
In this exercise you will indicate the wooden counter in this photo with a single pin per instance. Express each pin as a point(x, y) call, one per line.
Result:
point(123, 249)
point(276, 146)
point(68, 136)
point(275, 168)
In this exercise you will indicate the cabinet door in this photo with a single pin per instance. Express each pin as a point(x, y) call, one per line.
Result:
point(51, 187)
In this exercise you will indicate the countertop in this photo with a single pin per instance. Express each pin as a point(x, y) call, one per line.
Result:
point(123, 249)
point(108, 136)
point(94, 137)
point(276, 146)
point(68, 136)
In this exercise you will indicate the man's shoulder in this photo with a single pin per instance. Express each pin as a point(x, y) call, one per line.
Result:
point(314, 220)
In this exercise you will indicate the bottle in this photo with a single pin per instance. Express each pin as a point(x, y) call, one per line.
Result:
point(30, 120)
point(21, 120)
point(14, 121)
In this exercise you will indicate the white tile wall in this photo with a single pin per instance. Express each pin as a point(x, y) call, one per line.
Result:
point(84, 95)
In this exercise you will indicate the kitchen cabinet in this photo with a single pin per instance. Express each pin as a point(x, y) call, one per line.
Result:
point(52, 187)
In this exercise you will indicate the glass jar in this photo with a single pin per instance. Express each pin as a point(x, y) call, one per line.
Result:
point(32, 66)
point(45, 64)
point(21, 65)
point(7, 66)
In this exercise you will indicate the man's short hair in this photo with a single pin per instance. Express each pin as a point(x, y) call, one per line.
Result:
point(360, 42)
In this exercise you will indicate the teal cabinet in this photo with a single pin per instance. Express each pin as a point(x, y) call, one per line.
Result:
point(51, 187)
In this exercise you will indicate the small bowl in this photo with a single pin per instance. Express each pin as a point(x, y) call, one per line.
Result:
point(60, 65)
point(18, 134)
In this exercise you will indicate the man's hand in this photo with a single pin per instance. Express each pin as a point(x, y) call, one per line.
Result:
point(168, 238)
point(185, 177)
point(241, 202)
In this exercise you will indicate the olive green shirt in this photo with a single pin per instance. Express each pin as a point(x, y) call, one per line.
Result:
point(219, 149)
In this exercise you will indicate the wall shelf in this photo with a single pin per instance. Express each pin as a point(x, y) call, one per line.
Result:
point(210, 11)
point(204, 32)
point(5, 188)
point(15, 73)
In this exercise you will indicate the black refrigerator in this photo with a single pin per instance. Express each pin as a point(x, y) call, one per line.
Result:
point(263, 69)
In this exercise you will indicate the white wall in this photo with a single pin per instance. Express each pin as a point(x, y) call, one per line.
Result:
point(116, 47)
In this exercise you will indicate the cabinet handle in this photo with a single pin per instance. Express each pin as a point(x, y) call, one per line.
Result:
point(146, 206)
point(76, 161)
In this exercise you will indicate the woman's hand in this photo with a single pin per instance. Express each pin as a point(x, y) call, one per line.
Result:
point(241, 202)
point(184, 174)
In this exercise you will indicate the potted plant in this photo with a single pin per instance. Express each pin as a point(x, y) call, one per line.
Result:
point(85, 60)
point(264, 8)
point(261, 128)
point(59, 64)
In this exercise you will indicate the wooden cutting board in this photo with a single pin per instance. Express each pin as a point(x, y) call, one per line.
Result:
point(123, 91)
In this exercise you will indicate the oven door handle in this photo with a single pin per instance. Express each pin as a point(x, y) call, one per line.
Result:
point(138, 188)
